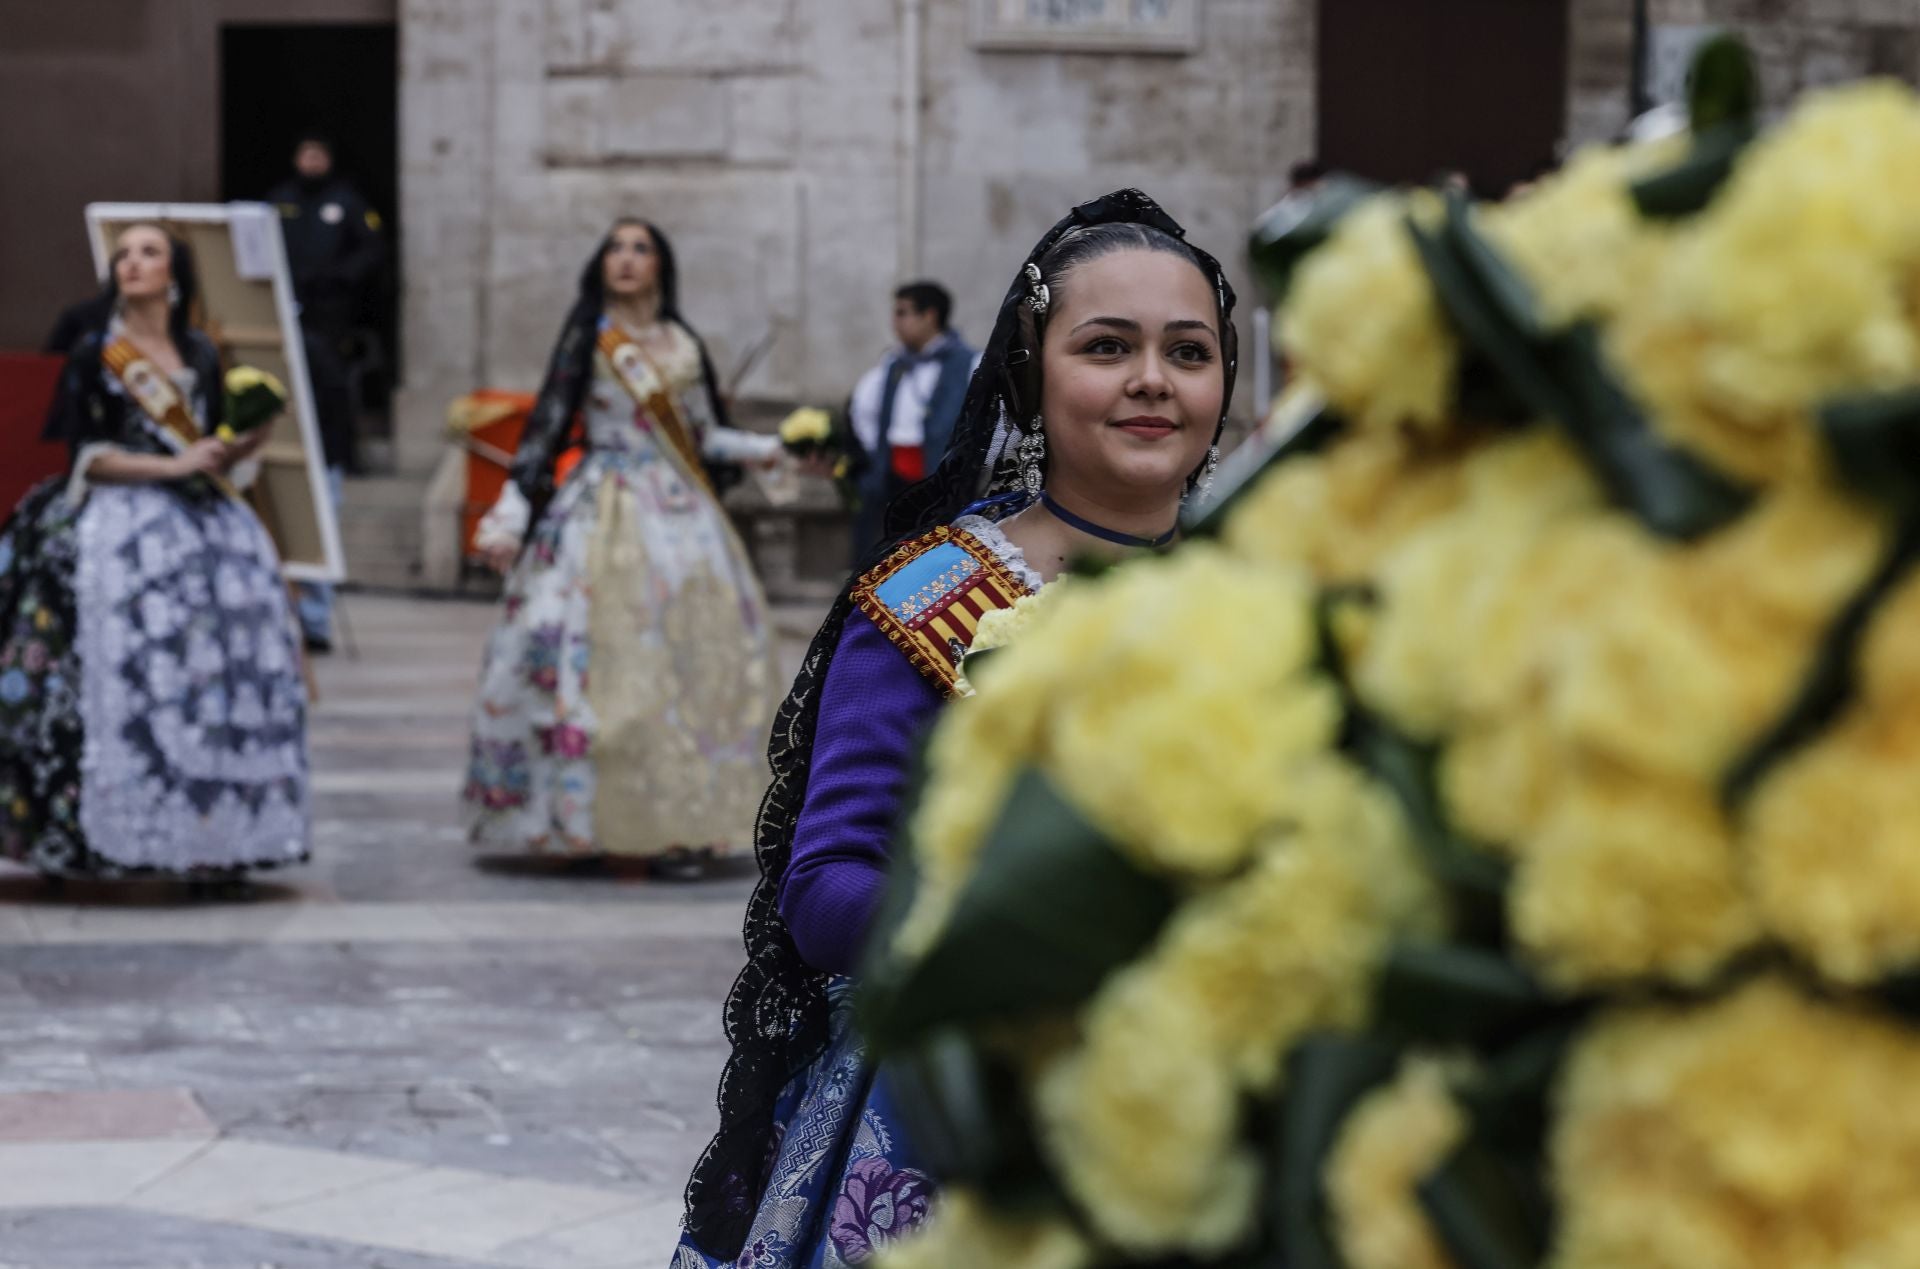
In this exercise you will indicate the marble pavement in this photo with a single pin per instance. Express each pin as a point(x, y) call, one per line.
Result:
point(400, 1055)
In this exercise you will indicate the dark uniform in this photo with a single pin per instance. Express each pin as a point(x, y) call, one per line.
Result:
point(335, 252)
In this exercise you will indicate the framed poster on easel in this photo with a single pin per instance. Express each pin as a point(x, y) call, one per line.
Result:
point(247, 309)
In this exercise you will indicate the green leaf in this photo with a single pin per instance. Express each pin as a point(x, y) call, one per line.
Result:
point(940, 1089)
point(965, 1113)
point(1671, 491)
point(970, 663)
point(1831, 678)
point(1488, 1209)
point(1443, 993)
point(1562, 375)
point(1475, 878)
point(1874, 440)
point(1723, 111)
point(1508, 1095)
point(1327, 1074)
point(1052, 907)
point(1689, 186)
point(1475, 314)
point(1512, 299)
point(1723, 85)
point(1090, 565)
point(1723, 118)
point(1289, 230)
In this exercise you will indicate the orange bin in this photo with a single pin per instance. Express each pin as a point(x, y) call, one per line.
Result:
point(487, 424)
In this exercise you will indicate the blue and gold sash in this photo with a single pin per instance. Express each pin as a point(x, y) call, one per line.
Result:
point(929, 595)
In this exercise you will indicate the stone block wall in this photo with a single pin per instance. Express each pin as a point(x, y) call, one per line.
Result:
point(770, 139)
point(1798, 45)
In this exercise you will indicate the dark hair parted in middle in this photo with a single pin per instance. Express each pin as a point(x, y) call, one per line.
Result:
point(1079, 247)
point(180, 267)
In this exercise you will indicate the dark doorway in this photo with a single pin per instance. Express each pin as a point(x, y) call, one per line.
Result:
point(343, 79)
point(1410, 88)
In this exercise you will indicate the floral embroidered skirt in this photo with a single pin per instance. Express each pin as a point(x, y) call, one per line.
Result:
point(152, 710)
point(843, 1182)
point(626, 694)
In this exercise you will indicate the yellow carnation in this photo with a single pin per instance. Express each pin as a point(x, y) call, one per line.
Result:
point(965, 1232)
point(808, 425)
point(1362, 321)
point(1462, 600)
point(975, 755)
point(1392, 1141)
point(1834, 831)
point(1003, 626)
point(1631, 877)
point(1143, 1124)
point(1764, 1130)
point(1340, 510)
point(1577, 237)
point(1291, 945)
point(1795, 285)
point(1179, 691)
point(1167, 701)
point(241, 378)
point(1498, 778)
point(1890, 656)
point(1144, 1119)
point(1833, 834)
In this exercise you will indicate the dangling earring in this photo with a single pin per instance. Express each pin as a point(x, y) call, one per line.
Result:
point(1202, 487)
point(173, 295)
point(1033, 456)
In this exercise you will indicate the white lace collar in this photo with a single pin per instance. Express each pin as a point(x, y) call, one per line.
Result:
point(990, 535)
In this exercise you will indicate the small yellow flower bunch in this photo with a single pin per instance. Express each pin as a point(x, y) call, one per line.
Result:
point(1490, 836)
point(253, 397)
point(808, 430)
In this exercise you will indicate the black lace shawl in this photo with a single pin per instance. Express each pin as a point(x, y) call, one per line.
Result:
point(84, 411)
point(570, 373)
point(776, 1015)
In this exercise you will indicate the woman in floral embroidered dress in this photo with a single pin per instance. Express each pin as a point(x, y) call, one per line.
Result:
point(152, 710)
point(1095, 409)
point(625, 695)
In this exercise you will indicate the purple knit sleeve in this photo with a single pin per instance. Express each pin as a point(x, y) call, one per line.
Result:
point(872, 708)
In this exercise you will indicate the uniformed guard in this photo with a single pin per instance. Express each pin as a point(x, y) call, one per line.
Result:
point(335, 251)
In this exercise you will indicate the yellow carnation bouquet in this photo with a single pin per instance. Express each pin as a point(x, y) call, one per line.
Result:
point(1492, 838)
point(253, 398)
point(811, 432)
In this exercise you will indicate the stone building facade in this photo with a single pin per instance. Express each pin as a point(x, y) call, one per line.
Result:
point(806, 155)
point(1798, 45)
point(773, 139)
point(770, 140)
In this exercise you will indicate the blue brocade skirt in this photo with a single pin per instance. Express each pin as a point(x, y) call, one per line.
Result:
point(844, 1180)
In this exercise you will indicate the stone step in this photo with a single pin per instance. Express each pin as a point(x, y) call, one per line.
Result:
point(380, 529)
